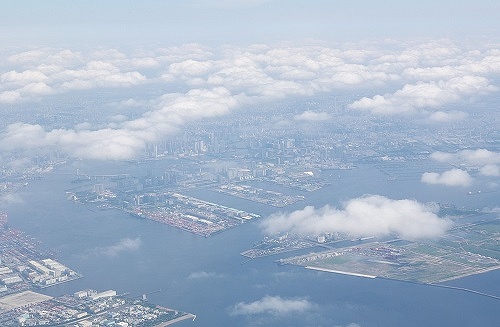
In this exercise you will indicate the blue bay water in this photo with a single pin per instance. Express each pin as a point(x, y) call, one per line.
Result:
point(205, 276)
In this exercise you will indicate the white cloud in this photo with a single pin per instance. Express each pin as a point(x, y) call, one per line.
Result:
point(424, 95)
point(372, 215)
point(446, 117)
point(7, 199)
point(431, 73)
point(217, 81)
point(313, 116)
point(98, 144)
point(27, 135)
point(188, 69)
point(130, 137)
point(97, 74)
point(443, 156)
point(487, 161)
point(492, 210)
point(10, 97)
point(27, 76)
point(479, 157)
point(36, 89)
point(453, 177)
point(28, 57)
point(51, 72)
point(490, 170)
point(124, 245)
point(273, 305)
point(131, 103)
point(146, 62)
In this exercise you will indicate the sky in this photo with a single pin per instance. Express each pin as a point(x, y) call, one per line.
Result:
point(217, 22)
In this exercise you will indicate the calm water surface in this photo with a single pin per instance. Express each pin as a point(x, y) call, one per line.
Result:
point(206, 276)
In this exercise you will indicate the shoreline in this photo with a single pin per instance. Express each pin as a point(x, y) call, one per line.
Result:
point(340, 272)
point(173, 321)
